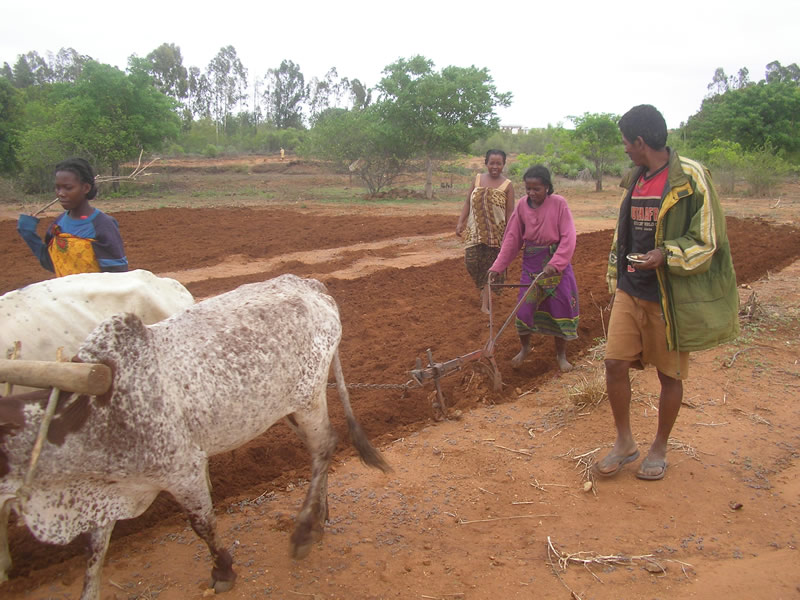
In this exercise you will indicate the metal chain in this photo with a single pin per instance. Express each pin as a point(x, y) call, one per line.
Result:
point(381, 386)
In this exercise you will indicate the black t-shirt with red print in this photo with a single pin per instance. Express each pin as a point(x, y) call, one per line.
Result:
point(645, 205)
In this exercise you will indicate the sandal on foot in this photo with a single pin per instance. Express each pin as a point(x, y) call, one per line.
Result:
point(621, 463)
point(648, 463)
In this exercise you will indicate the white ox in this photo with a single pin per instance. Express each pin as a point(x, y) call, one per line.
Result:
point(202, 382)
point(61, 312)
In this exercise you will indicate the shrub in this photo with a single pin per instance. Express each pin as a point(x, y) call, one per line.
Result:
point(174, 150)
point(763, 168)
point(40, 150)
point(560, 161)
point(725, 159)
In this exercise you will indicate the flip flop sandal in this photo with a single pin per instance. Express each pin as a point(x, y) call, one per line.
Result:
point(622, 462)
point(652, 465)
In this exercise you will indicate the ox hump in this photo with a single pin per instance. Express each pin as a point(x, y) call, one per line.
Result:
point(120, 336)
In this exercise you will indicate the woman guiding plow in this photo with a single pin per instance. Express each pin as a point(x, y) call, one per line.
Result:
point(542, 227)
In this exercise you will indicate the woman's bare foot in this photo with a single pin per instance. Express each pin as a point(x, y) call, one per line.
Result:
point(485, 299)
point(561, 355)
point(525, 349)
point(516, 362)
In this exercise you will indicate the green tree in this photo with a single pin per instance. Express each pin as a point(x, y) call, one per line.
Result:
point(777, 73)
point(23, 74)
point(67, 64)
point(31, 69)
point(227, 82)
point(326, 92)
point(285, 93)
point(165, 66)
point(438, 113)
point(359, 142)
point(599, 141)
point(742, 78)
point(106, 115)
point(719, 83)
point(360, 94)
point(199, 94)
point(532, 141)
point(561, 154)
point(10, 117)
point(751, 116)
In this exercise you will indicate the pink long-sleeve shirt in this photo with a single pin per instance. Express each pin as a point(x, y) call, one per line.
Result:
point(547, 224)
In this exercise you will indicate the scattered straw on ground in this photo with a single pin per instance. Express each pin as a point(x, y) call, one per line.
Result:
point(587, 559)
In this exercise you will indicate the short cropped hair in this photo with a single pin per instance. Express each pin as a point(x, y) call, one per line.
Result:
point(646, 122)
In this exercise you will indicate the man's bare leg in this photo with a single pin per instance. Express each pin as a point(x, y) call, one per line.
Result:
point(655, 463)
point(618, 386)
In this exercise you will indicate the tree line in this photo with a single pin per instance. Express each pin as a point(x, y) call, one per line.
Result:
point(69, 103)
point(281, 96)
point(416, 115)
point(744, 130)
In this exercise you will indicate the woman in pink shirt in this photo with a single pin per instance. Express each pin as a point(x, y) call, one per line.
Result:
point(542, 227)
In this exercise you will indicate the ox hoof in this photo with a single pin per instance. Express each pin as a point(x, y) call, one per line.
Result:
point(300, 551)
point(220, 587)
point(303, 539)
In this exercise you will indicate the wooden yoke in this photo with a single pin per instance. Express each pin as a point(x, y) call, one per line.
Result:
point(84, 378)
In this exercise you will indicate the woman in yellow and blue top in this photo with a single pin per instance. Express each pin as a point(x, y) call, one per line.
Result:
point(83, 239)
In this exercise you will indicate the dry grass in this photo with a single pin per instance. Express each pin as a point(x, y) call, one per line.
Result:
point(751, 309)
point(587, 559)
point(588, 392)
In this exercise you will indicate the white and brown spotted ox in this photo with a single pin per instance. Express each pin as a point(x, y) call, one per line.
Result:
point(202, 382)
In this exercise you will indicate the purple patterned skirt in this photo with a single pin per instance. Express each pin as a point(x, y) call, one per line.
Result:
point(551, 308)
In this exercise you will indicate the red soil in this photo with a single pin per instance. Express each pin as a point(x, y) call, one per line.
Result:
point(390, 318)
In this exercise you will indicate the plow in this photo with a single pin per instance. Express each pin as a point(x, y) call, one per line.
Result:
point(483, 357)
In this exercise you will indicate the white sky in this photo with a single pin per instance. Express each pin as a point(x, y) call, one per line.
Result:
point(558, 58)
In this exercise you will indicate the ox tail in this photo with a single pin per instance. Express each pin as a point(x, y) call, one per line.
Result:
point(369, 454)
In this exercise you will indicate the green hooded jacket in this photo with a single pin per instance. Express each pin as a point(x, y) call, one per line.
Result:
point(697, 283)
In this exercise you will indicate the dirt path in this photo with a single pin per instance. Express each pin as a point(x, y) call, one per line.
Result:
point(391, 315)
point(361, 259)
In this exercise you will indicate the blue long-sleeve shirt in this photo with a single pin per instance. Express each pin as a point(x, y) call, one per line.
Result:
point(100, 228)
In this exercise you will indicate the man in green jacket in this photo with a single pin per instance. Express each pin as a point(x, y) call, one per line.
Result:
point(672, 277)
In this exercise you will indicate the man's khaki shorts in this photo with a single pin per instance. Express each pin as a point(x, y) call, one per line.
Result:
point(637, 333)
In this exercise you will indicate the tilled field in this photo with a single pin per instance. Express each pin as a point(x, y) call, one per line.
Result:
point(390, 318)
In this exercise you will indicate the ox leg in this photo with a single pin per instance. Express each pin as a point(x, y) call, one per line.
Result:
point(314, 428)
point(98, 546)
point(195, 498)
point(5, 555)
